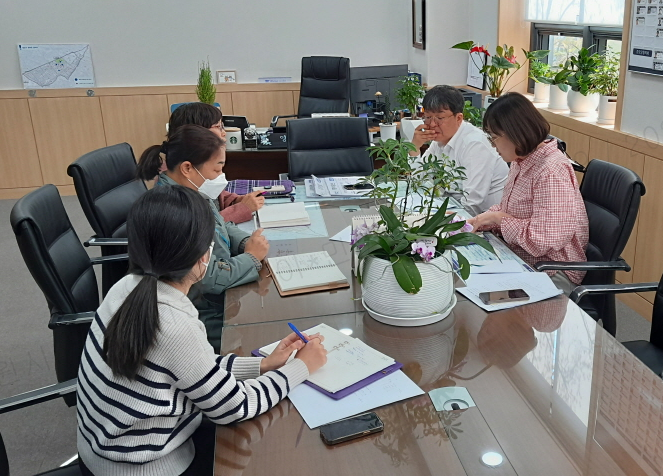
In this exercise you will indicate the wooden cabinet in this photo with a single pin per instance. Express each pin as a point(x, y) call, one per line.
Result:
point(18, 149)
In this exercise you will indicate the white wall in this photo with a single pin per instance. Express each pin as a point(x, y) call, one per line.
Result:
point(160, 42)
point(643, 103)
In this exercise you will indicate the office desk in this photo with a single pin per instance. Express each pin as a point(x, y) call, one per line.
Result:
point(555, 394)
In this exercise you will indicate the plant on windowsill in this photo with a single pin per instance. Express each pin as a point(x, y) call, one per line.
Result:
point(606, 83)
point(539, 71)
point(473, 115)
point(559, 87)
point(409, 94)
point(404, 261)
point(387, 126)
point(205, 90)
point(583, 97)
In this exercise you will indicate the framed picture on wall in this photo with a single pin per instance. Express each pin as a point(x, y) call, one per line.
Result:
point(223, 77)
point(419, 24)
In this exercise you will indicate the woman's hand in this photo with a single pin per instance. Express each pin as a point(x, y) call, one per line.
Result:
point(287, 346)
point(487, 220)
point(253, 200)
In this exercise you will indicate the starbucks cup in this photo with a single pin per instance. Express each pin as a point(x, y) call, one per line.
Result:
point(233, 138)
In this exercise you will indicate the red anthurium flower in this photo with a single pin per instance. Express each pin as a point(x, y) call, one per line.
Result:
point(511, 59)
point(479, 49)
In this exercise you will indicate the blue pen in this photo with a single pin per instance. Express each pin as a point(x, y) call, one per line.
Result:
point(296, 331)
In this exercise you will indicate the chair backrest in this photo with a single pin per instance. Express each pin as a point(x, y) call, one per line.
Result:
point(328, 146)
point(62, 269)
point(612, 198)
point(325, 85)
point(106, 185)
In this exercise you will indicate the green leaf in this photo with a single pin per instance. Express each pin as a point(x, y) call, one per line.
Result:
point(563, 87)
point(385, 243)
point(389, 218)
point(502, 63)
point(368, 250)
point(402, 245)
point(465, 45)
point(464, 265)
point(476, 239)
point(406, 273)
point(437, 220)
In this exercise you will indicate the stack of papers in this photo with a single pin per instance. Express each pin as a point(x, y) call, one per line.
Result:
point(333, 187)
point(283, 214)
point(306, 271)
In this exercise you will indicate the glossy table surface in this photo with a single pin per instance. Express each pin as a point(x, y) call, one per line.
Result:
point(554, 393)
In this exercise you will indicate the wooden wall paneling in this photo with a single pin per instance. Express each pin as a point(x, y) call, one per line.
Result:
point(649, 252)
point(224, 99)
point(577, 145)
point(138, 120)
point(295, 101)
point(20, 164)
point(626, 36)
point(513, 30)
point(65, 128)
point(631, 160)
point(259, 107)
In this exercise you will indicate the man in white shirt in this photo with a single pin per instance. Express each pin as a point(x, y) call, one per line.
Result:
point(464, 143)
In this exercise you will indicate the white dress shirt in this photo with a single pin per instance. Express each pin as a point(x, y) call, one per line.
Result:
point(486, 171)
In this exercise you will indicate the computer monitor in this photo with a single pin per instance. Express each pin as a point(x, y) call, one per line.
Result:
point(365, 81)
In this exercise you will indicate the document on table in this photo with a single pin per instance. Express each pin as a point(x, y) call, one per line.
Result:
point(538, 286)
point(318, 409)
point(327, 187)
point(344, 235)
point(495, 266)
point(477, 254)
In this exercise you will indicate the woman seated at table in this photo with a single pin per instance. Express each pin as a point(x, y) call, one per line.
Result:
point(194, 159)
point(148, 374)
point(233, 207)
point(541, 215)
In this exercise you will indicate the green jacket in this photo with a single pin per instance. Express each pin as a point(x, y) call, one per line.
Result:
point(229, 266)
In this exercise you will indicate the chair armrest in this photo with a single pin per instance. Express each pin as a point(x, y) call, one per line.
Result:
point(41, 395)
point(576, 166)
point(94, 241)
point(617, 265)
point(582, 291)
point(275, 119)
point(58, 319)
point(109, 259)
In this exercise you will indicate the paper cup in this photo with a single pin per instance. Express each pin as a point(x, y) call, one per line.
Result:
point(233, 138)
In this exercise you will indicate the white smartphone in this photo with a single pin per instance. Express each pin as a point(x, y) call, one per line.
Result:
point(501, 297)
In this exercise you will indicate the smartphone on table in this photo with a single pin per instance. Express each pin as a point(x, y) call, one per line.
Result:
point(501, 297)
point(359, 186)
point(350, 428)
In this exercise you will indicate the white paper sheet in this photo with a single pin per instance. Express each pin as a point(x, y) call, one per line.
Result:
point(318, 409)
point(496, 267)
point(538, 286)
point(344, 235)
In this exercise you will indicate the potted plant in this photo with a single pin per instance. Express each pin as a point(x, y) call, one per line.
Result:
point(473, 115)
point(583, 97)
point(387, 126)
point(404, 261)
point(205, 90)
point(606, 83)
point(559, 88)
point(538, 70)
point(409, 95)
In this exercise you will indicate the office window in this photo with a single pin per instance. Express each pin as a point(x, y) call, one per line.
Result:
point(562, 47)
point(578, 12)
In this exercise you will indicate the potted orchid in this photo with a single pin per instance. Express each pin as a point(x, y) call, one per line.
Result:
point(498, 67)
point(406, 255)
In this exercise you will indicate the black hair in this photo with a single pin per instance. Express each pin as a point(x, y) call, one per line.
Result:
point(514, 116)
point(198, 113)
point(444, 97)
point(192, 143)
point(169, 230)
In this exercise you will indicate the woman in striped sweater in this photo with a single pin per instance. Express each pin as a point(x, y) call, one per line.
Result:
point(148, 374)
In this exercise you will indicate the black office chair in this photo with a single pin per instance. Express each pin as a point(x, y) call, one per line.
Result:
point(65, 390)
point(651, 353)
point(63, 271)
point(325, 86)
point(612, 198)
point(561, 145)
point(328, 146)
point(106, 185)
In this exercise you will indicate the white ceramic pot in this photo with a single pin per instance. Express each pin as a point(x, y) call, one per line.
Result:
point(541, 92)
point(233, 138)
point(407, 128)
point(581, 105)
point(607, 109)
point(558, 98)
point(387, 302)
point(387, 131)
point(488, 100)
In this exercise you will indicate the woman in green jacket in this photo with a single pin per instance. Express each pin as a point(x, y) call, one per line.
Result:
point(195, 157)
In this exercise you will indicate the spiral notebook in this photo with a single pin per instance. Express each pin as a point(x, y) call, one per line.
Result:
point(306, 272)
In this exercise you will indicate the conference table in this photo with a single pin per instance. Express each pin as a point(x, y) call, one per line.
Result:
point(554, 393)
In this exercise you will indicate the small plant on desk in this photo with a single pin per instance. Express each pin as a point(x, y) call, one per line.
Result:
point(205, 90)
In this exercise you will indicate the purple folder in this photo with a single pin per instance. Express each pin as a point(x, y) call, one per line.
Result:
point(354, 387)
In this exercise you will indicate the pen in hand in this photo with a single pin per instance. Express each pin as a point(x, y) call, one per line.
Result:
point(299, 334)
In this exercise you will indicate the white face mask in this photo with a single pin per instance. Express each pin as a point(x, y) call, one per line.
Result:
point(209, 258)
point(211, 188)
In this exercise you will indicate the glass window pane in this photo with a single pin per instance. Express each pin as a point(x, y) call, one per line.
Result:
point(585, 12)
point(562, 47)
point(615, 46)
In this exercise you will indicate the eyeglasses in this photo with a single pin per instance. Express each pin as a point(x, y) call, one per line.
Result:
point(438, 120)
point(219, 125)
point(491, 139)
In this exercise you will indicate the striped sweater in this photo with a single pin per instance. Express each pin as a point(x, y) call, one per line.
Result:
point(142, 427)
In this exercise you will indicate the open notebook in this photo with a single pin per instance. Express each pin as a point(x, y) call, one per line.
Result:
point(306, 272)
point(284, 214)
point(349, 360)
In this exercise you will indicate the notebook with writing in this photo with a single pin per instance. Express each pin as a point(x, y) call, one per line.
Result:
point(306, 272)
point(283, 214)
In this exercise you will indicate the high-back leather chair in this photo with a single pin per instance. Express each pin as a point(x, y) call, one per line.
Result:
point(63, 271)
point(328, 146)
point(612, 199)
point(325, 86)
point(106, 185)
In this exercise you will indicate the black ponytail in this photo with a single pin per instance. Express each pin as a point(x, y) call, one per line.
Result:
point(169, 230)
point(192, 143)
